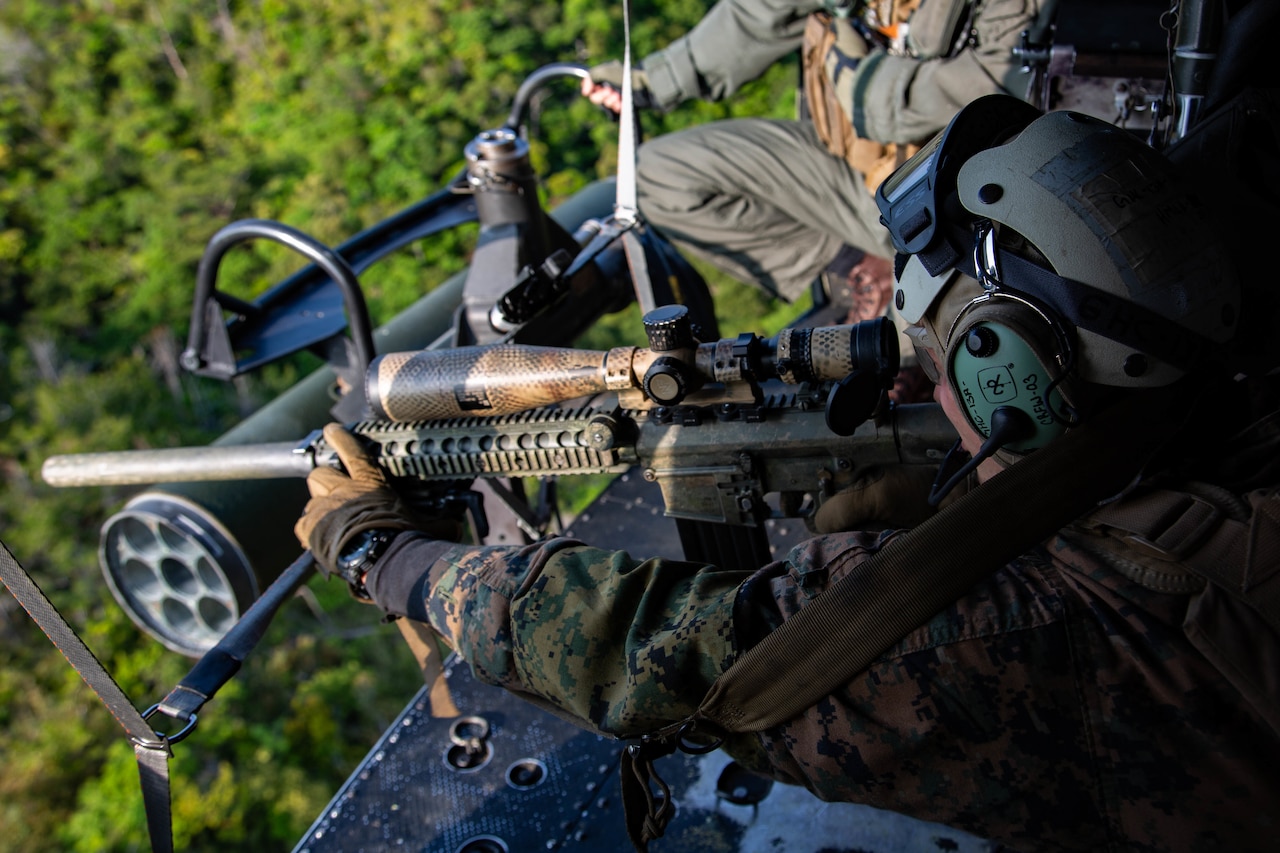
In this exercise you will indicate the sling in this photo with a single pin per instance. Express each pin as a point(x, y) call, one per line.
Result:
point(842, 631)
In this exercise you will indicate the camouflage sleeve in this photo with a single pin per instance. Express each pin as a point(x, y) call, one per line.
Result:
point(1057, 705)
point(624, 646)
point(904, 99)
point(733, 44)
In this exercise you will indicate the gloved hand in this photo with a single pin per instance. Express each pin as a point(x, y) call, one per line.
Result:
point(604, 87)
point(343, 505)
point(843, 57)
point(897, 496)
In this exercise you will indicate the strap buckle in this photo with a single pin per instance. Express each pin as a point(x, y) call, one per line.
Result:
point(686, 742)
point(1180, 531)
point(984, 255)
point(168, 740)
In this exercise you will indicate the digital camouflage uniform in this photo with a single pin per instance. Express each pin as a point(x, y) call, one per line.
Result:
point(763, 199)
point(1058, 706)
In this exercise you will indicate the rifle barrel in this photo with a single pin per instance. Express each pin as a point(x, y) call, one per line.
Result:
point(178, 465)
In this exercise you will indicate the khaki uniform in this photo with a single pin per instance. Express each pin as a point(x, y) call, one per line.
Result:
point(764, 200)
point(1058, 706)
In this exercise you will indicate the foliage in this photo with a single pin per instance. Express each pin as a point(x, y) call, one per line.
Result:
point(130, 132)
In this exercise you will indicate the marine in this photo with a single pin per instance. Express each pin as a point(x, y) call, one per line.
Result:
point(1113, 687)
point(774, 202)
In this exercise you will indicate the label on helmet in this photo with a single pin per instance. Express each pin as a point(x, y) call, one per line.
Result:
point(1006, 372)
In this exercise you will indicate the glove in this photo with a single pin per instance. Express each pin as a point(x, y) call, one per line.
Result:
point(843, 57)
point(343, 505)
point(604, 87)
point(897, 496)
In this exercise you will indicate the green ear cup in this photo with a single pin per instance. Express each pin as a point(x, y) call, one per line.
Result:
point(993, 366)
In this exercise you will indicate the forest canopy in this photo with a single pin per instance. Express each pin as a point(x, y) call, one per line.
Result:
point(130, 132)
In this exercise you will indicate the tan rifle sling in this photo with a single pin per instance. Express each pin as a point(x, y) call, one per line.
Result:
point(846, 628)
point(842, 631)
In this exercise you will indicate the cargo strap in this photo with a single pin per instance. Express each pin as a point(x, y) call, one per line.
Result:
point(214, 669)
point(626, 209)
point(150, 748)
point(842, 631)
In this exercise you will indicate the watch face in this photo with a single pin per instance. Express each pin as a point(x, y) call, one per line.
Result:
point(364, 549)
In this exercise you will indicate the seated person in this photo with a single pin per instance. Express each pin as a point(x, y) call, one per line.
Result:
point(775, 203)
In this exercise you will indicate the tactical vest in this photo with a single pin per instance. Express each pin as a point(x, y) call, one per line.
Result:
point(874, 160)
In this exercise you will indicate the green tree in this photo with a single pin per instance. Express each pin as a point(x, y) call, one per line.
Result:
point(130, 132)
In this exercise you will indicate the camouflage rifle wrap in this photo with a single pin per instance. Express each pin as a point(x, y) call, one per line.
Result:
point(436, 384)
point(483, 412)
point(507, 378)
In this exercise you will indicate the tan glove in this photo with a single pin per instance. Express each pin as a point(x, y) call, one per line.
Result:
point(897, 496)
point(343, 505)
point(604, 87)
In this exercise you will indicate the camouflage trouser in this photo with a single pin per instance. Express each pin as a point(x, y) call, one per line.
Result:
point(1057, 706)
point(762, 200)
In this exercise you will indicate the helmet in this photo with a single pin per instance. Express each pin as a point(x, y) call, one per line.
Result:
point(1050, 255)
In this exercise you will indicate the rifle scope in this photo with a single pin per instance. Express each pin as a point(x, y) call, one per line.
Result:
point(509, 378)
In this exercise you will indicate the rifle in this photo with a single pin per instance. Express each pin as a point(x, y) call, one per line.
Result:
point(718, 426)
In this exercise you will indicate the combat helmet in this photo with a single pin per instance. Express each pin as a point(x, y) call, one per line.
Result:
point(1043, 257)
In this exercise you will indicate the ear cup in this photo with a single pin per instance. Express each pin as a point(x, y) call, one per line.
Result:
point(1003, 353)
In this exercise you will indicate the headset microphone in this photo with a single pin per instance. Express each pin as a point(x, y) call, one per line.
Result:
point(1008, 426)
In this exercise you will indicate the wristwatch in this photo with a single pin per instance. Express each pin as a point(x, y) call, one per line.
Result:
point(360, 555)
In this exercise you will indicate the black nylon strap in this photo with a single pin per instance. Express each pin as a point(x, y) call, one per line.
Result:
point(213, 670)
point(1095, 310)
point(153, 774)
point(222, 662)
point(151, 749)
